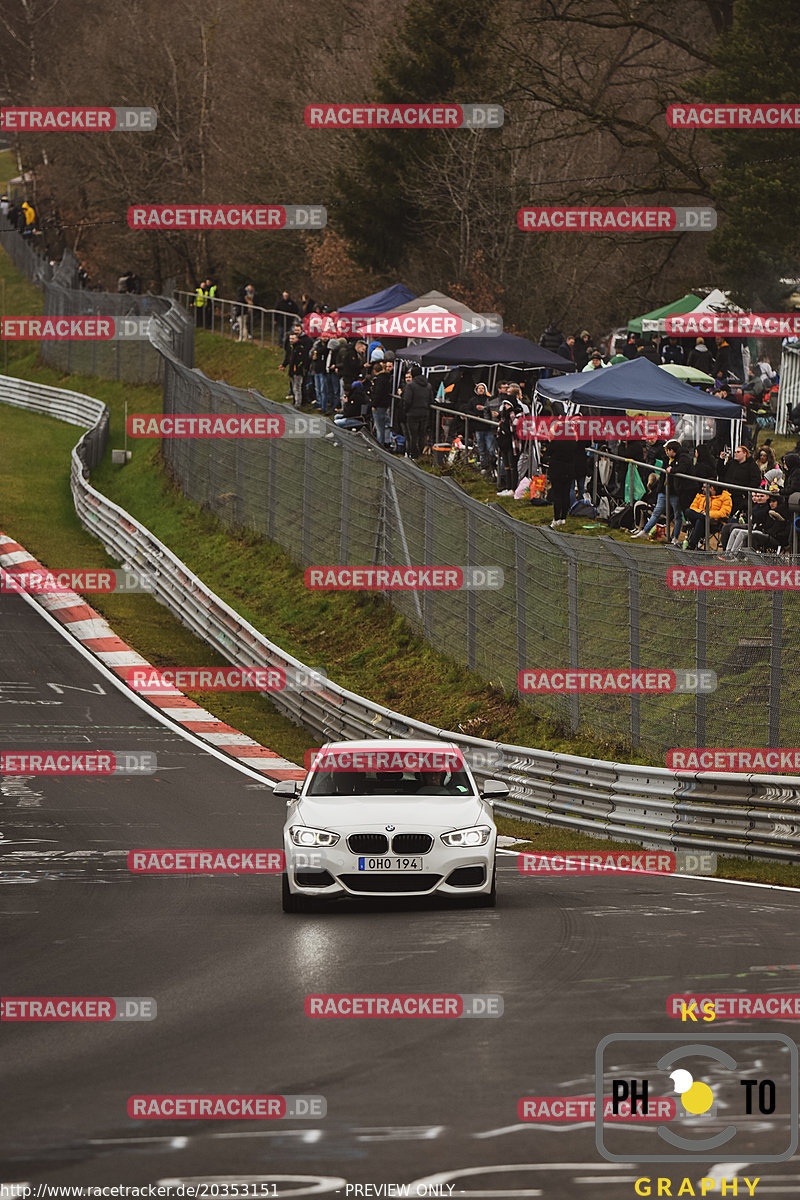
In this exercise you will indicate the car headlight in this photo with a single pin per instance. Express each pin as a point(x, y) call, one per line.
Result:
point(477, 835)
point(301, 835)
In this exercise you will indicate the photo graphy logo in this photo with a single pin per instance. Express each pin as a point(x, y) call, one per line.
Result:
point(725, 1083)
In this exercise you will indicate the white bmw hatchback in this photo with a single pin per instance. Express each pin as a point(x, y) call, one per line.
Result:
point(389, 818)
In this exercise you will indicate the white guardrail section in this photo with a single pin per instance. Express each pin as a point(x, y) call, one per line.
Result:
point(756, 816)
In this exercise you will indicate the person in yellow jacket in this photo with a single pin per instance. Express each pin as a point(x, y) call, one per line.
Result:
point(720, 507)
point(30, 218)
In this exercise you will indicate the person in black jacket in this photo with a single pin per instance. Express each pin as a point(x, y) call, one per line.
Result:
point(680, 463)
point(417, 400)
point(507, 478)
point(791, 482)
point(380, 401)
point(561, 460)
point(741, 470)
point(552, 338)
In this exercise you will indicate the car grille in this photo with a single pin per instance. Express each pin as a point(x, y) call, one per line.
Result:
point(412, 843)
point(368, 843)
point(390, 882)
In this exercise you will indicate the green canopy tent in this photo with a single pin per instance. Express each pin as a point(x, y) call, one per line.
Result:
point(684, 305)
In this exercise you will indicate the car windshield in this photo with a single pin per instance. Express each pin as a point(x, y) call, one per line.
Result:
point(390, 783)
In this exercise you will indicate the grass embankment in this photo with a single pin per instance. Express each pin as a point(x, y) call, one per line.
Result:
point(358, 639)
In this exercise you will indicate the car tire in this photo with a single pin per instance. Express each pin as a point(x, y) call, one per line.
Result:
point(490, 899)
point(291, 902)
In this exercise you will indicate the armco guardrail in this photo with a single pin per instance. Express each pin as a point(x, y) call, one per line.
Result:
point(755, 816)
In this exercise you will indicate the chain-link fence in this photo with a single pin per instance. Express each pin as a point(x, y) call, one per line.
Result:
point(567, 602)
point(134, 361)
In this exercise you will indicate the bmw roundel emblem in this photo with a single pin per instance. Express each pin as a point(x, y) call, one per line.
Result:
point(389, 828)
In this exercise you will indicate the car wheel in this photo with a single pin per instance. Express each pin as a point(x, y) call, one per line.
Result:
point(290, 901)
point(490, 899)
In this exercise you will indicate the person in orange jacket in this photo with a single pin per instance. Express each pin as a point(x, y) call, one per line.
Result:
point(720, 507)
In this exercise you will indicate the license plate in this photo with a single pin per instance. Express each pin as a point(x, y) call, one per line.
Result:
point(389, 864)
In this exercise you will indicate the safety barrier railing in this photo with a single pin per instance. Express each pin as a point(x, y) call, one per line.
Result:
point(236, 319)
point(755, 816)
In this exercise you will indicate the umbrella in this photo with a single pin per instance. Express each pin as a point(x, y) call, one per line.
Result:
point(689, 374)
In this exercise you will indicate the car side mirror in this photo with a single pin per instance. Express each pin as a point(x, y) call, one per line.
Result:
point(287, 788)
point(494, 789)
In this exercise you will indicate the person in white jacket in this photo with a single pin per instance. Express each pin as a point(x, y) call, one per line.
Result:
point(595, 362)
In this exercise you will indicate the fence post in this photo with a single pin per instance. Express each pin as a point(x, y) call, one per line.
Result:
point(427, 596)
point(344, 520)
point(472, 605)
point(775, 656)
point(519, 599)
point(307, 501)
point(272, 488)
point(700, 657)
point(634, 628)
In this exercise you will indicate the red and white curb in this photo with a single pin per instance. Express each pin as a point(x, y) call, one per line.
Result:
point(95, 634)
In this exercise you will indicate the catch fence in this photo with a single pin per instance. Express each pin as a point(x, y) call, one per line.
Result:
point(567, 602)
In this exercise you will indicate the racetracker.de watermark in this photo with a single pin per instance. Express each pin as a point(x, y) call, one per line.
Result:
point(757, 760)
point(618, 862)
point(625, 682)
point(403, 579)
point(553, 1109)
point(733, 116)
point(757, 579)
point(430, 325)
point(75, 329)
point(591, 429)
point(206, 862)
point(78, 1008)
point(61, 581)
point(227, 216)
point(734, 324)
point(708, 1006)
point(409, 1005)
point(225, 679)
point(234, 425)
point(617, 220)
point(94, 120)
point(226, 1107)
point(445, 758)
point(77, 762)
point(431, 115)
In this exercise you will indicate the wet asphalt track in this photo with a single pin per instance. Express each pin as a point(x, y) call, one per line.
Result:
point(574, 958)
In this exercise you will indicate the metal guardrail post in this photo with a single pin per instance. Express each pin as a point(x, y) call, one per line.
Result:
point(749, 520)
point(707, 491)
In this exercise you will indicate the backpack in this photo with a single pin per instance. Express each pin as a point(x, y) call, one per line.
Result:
point(581, 509)
point(622, 517)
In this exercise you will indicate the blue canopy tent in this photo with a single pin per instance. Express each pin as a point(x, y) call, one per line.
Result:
point(381, 302)
point(638, 384)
